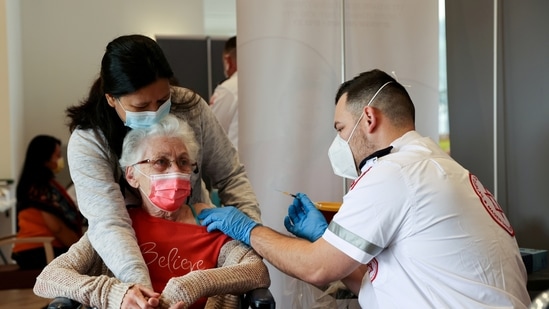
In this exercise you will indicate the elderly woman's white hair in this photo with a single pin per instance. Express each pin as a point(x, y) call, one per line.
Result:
point(170, 126)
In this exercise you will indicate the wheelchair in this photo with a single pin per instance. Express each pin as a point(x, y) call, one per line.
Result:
point(260, 298)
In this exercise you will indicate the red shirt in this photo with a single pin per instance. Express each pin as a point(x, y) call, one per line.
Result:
point(173, 249)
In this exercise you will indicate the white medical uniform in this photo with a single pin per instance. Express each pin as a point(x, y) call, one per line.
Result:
point(224, 103)
point(432, 236)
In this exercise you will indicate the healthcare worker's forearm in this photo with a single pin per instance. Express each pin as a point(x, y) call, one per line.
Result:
point(299, 258)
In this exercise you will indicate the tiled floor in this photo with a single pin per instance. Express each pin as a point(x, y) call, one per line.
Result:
point(21, 299)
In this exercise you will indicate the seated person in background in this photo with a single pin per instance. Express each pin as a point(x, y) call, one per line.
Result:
point(43, 206)
point(185, 262)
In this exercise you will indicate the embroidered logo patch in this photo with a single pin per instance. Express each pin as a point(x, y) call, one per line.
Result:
point(372, 269)
point(491, 205)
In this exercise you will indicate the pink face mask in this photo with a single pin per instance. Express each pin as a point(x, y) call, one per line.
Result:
point(169, 191)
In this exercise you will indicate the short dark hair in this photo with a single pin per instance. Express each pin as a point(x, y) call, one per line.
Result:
point(394, 101)
point(230, 46)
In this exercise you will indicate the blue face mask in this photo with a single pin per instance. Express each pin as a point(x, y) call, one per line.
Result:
point(140, 120)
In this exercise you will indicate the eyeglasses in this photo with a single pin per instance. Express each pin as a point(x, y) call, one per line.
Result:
point(161, 164)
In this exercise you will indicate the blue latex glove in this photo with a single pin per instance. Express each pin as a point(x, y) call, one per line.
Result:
point(304, 220)
point(228, 220)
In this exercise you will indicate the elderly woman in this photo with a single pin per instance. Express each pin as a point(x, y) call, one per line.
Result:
point(186, 263)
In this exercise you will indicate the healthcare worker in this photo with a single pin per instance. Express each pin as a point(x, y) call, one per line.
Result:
point(415, 229)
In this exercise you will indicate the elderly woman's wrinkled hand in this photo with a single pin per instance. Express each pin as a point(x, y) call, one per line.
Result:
point(140, 297)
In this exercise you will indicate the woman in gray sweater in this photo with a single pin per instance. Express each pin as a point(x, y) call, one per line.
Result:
point(133, 91)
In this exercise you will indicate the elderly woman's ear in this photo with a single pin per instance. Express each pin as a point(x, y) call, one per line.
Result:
point(130, 177)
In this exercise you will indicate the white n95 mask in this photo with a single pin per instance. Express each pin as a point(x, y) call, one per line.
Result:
point(341, 156)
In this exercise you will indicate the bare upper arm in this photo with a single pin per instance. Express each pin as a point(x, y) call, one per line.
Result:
point(52, 222)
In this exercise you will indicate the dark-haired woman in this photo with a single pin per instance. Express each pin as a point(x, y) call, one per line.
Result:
point(43, 206)
point(133, 90)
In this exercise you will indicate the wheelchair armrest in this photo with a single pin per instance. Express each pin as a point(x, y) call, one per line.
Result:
point(63, 303)
point(260, 298)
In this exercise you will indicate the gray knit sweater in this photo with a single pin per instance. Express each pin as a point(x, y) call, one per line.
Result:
point(81, 275)
point(95, 172)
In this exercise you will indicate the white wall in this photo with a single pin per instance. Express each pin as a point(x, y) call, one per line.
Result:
point(62, 43)
point(50, 53)
point(220, 17)
point(5, 129)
